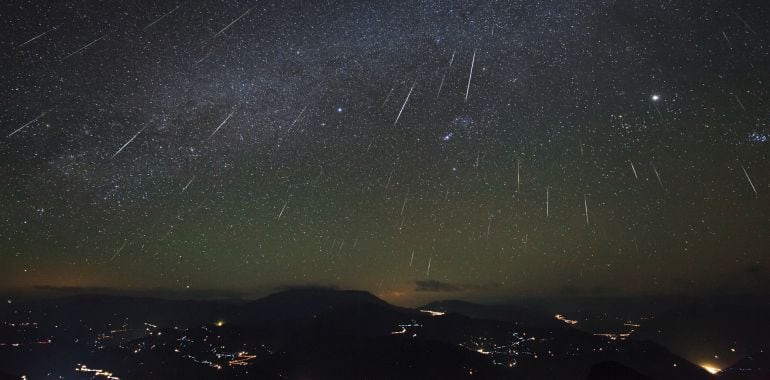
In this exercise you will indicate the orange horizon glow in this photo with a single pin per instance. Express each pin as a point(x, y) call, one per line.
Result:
point(710, 368)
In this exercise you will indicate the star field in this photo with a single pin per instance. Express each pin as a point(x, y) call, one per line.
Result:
point(499, 148)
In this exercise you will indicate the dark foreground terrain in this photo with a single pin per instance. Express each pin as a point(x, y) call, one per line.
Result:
point(315, 334)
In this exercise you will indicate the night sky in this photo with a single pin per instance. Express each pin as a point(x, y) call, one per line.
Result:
point(415, 149)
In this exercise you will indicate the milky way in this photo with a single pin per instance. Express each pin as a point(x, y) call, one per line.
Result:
point(511, 148)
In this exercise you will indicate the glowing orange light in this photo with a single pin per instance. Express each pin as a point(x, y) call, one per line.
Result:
point(710, 368)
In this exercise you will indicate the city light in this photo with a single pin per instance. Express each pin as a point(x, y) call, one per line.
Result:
point(710, 368)
point(565, 320)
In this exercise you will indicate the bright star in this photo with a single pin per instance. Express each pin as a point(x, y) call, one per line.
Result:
point(655, 97)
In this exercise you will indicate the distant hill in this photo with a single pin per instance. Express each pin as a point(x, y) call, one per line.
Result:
point(92, 308)
point(753, 367)
point(697, 327)
point(297, 304)
point(502, 312)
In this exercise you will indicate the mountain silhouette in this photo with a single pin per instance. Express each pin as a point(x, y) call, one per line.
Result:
point(502, 312)
point(319, 333)
point(752, 367)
